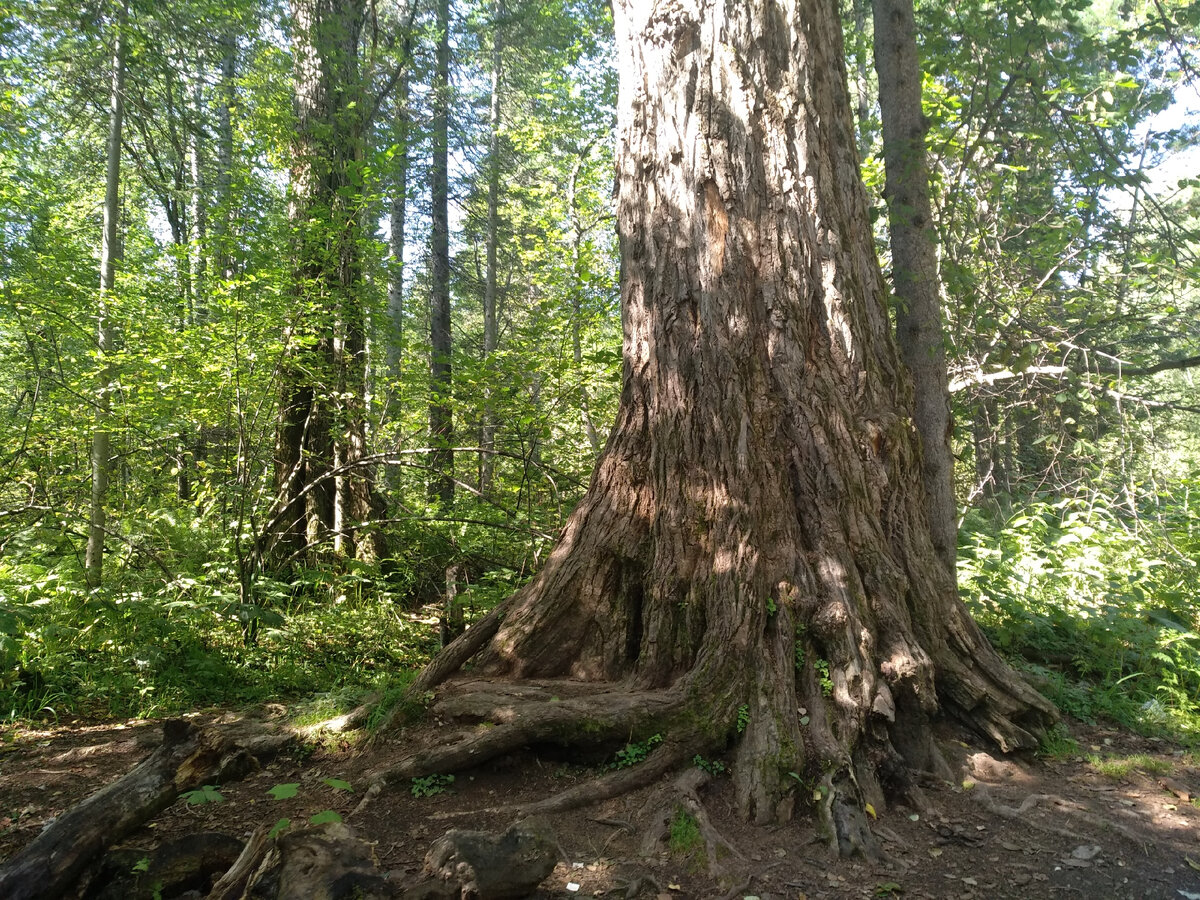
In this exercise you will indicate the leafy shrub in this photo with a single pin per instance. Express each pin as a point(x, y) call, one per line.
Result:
point(1100, 606)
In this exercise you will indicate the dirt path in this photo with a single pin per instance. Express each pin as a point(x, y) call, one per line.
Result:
point(1012, 829)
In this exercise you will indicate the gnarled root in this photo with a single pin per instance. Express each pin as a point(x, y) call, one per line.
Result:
point(684, 794)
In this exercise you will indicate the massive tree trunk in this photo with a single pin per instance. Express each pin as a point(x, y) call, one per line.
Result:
point(914, 262)
point(110, 253)
point(322, 491)
point(752, 562)
point(441, 422)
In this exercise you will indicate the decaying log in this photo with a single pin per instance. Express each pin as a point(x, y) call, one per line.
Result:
point(232, 885)
point(188, 758)
point(486, 866)
point(329, 863)
point(184, 864)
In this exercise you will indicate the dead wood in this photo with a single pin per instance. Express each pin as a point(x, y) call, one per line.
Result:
point(329, 863)
point(184, 864)
point(485, 866)
point(188, 758)
point(232, 884)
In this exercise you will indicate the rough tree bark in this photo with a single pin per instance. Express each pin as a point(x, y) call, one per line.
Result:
point(914, 262)
point(110, 253)
point(752, 562)
point(323, 378)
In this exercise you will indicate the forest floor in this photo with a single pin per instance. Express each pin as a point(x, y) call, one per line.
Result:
point(1118, 818)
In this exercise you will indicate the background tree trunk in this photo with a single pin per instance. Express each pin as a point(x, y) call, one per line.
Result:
point(322, 433)
point(226, 99)
point(441, 423)
point(490, 330)
point(914, 262)
point(110, 254)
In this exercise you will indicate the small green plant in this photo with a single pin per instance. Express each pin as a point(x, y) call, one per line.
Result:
point(634, 753)
point(772, 606)
point(685, 834)
point(203, 795)
point(141, 866)
point(743, 718)
point(284, 791)
point(713, 767)
point(325, 816)
point(1057, 743)
point(1116, 767)
point(431, 785)
point(822, 667)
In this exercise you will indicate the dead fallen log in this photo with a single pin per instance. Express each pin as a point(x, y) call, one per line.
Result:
point(188, 758)
point(185, 864)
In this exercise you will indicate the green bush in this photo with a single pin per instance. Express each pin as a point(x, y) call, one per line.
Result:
point(1100, 605)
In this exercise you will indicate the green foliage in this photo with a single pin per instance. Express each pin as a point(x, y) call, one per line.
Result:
point(1118, 767)
point(1057, 743)
point(713, 767)
point(284, 791)
point(203, 795)
point(279, 828)
point(822, 668)
point(431, 785)
point(743, 718)
point(635, 752)
point(1099, 605)
point(685, 837)
point(324, 817)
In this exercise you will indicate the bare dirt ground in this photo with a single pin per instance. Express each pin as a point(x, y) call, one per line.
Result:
point(1012, 828)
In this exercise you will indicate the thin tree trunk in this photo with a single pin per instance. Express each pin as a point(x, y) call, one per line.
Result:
point(575, 229)
point(861, 86)
point(110, 255)
point(226, 99)
point(490, 332)
point(199, 205)
point(397, 216)
point(914, 262)
point(441, 423)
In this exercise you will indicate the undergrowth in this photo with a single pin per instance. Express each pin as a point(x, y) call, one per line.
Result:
point(1098, 606)
point(148, 646)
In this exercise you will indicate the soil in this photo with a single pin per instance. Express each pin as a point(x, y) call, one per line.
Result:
point(1013, 828)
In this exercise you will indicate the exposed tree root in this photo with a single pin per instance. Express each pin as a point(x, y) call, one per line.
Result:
point(491, 719)
point(663, 760)
point(1019, 813)
point(684, 793)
